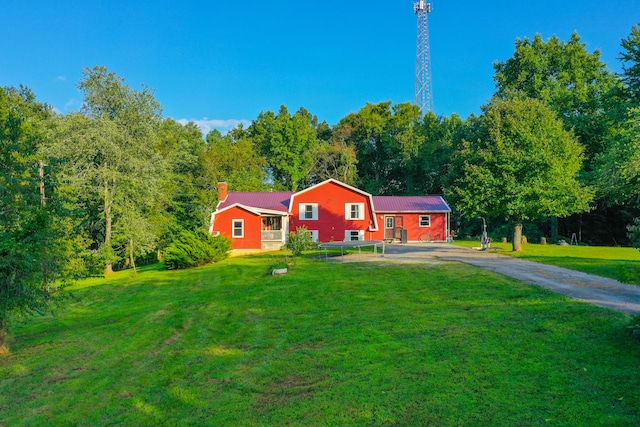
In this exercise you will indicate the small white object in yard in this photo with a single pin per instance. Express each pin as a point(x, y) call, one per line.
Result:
point(278, 271)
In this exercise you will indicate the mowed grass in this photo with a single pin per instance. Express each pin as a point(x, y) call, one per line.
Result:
point(345, 344)
point(622, 264)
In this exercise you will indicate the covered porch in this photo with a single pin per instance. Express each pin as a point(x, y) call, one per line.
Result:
point(274, 230)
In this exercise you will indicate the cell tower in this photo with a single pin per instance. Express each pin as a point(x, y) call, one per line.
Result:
point(424, 93)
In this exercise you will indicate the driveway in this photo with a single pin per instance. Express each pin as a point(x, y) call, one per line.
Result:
point(586, 287)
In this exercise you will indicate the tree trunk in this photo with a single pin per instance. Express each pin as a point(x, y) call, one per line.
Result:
point(554, 228)
point(517, 236)
point(4, 344)
point(132, 260)
point(107, 232)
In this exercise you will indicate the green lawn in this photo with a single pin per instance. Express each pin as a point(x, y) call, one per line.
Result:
point(617, 263)
point(327, 344)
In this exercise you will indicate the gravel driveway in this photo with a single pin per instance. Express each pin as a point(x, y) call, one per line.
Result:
point(586, 287)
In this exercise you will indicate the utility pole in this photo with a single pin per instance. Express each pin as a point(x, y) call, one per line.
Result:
point(424, 93)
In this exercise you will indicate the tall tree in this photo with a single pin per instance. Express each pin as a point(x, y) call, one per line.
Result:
point(630, 57)
point(518, 163)
point(233, 158)
point(109, 150)
point(385, 138)
point(335, 159)
point(619, 166)
point(289, 143)
point(188, 198)
point(572, 81)
point(430, 166)
point(34, 247)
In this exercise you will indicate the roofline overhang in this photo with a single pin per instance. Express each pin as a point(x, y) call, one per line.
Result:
point(253, 210)
point(373, 227)
point(417, 212)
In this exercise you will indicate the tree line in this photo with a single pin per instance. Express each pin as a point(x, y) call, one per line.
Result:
point(556, 149)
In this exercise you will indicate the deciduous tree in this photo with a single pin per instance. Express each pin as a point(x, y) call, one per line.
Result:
point(234, 159)
point(518, 163)
point(386, 140)
point(630, 57)
point(289, 144)
point(576, 84)
point(34, 245)
point(109, 150)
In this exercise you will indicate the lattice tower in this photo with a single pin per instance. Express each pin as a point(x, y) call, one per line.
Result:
point(424, 93)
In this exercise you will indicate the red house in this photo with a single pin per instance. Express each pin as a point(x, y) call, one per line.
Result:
point(331, 211)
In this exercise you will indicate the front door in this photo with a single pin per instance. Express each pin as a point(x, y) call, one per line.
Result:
point(393, 226)
point(389, 227)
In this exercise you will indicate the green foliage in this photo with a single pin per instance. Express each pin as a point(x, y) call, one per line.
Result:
point(188, 197)
point(289, 143)
point(109, 154)
point(631, 64)
point(518, 163)
point(618, 167)
point(386, 140)
point(336, 159)
point(232, 158)
point(279, 265)
point(634, 327)
point(192, 249)
point(299, 241)
point(426, 172)
point(576, 84)
point(37, 251)
point(633, 232)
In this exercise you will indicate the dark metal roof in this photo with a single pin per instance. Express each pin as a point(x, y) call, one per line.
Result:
point(410, 204)
point(277, 201)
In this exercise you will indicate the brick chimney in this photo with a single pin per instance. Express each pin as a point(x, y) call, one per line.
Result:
point(223, 190)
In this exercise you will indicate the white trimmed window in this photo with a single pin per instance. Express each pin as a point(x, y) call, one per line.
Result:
point(425, 220)
point(354, 211)
point(238, 228)
point(351, 235)
point(308, 211)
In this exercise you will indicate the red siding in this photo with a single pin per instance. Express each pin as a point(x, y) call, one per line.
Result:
point(252, 228)
point(437, 229)
point(332, 223)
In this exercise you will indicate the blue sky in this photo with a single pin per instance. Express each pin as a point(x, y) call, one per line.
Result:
point(220, 62)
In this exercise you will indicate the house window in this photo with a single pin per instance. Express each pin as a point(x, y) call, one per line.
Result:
point(352, 235)
point(425, 220)
point(238, 228)
point(308, 211)
point(354, 211)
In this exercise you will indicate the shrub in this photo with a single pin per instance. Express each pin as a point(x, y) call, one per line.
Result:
point(299, 241)
point(279, 265)
point(192, 249)
point(634, 233)
point(634, 327)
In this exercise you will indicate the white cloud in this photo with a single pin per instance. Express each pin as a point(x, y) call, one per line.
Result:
point(72, 103)
point(61, 78)
point(70, 106)
point(207, 125)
